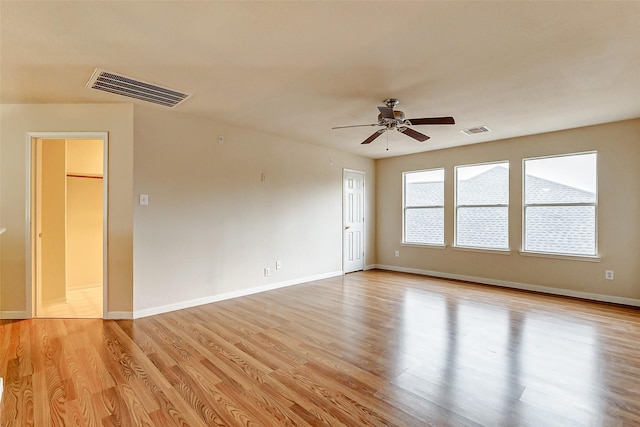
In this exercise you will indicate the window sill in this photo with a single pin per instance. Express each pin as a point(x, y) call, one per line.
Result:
point(482, 250)
point(423, 245)
point(584, 258)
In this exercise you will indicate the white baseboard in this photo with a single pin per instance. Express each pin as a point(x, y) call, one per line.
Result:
point(13, 315)
point(229, 295)
point(517, 285)
point(119, 315)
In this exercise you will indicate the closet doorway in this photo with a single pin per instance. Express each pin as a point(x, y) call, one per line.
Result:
point(68, 225)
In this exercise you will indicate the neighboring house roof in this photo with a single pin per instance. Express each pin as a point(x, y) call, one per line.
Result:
point(424, 194)
point(565, 229)
point(475, 190)
point(425, 226)
point(541, 191)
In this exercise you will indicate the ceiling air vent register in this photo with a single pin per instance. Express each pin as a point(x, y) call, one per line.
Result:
point(476, 130)
point(108, 81)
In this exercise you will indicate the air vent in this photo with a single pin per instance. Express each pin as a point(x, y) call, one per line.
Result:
point(111, 82)
point(475, 130)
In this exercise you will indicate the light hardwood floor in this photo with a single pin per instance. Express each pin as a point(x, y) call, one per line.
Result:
point(83, 303)
point(367, 349)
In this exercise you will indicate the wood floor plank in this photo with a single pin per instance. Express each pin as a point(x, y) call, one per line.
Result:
point(372, 348)
point(41, 404)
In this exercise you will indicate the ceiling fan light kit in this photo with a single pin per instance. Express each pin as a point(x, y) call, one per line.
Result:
point(391, 119)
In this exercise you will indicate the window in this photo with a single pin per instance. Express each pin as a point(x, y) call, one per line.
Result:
point(482, 206)
point(423, 204)
point(560, 202)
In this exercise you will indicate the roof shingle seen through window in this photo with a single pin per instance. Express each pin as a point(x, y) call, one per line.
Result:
point(560, 230)
point(487, 188)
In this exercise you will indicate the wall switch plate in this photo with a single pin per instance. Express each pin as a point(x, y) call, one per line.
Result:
point(220, 139)
point(278, 265)
point(608, 274)
point(144, 199)
point(397, 254)
point(267, 272)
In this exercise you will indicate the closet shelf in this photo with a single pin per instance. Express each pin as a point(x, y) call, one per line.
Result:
point(79, 175)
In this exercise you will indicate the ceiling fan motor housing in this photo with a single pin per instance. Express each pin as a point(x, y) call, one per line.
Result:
point(398, 119)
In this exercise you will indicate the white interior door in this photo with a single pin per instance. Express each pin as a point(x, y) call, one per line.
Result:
point(353, 219)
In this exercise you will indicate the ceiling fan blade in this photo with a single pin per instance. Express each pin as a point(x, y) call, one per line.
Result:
point(374, 136)
point(433, 121)
point(413, 134)
point(354, 126)
point(387, 112)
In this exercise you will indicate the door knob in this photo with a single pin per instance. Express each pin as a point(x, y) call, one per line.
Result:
point(347, 227)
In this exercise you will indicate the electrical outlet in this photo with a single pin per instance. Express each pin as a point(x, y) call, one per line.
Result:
point(278, 265)
point(608, 274)
point(267, 272)
point(397, 254)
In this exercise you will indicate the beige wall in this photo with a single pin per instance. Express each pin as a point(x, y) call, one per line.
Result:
point(53, 219)
point(212, 225)
point(84, 213)
point(85, 157)
point(15, 122)
point(84, 232)
point(618, 145)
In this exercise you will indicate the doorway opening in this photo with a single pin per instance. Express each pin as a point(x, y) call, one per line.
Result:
point(68, 225)
point(353, 221)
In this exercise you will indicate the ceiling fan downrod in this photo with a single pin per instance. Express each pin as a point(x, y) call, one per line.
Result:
point(391, 102)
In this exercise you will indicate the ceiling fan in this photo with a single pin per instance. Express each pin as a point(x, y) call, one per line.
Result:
point(391, 119)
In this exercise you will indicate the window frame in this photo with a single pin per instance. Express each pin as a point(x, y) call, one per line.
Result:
point(405, 208)
point(507, 249)
point(525, 205)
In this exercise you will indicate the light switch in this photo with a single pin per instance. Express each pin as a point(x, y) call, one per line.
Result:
point(144, 199)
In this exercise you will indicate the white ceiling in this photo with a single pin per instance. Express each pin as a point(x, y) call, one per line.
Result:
point(297, 69)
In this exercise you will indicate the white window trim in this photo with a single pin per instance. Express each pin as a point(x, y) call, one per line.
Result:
point(455, 245)
point(482, 250)
point(566, 256)
point(423, 245)
point(587, 258)
point(403, 241)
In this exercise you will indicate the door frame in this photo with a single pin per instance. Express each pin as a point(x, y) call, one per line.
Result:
point(364, 217)
point(31, 292)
